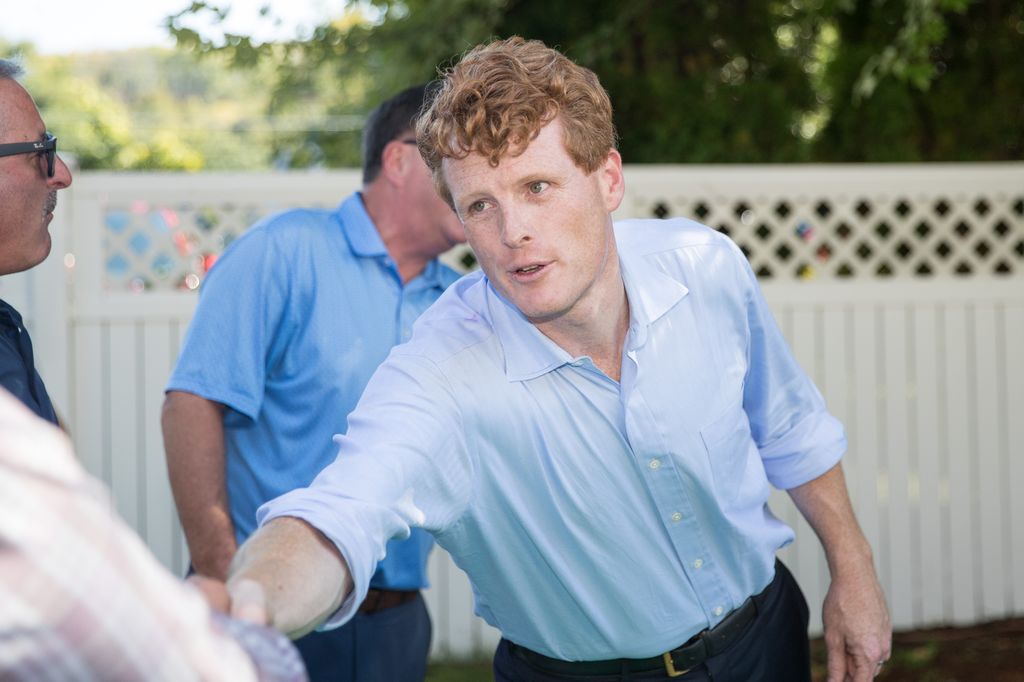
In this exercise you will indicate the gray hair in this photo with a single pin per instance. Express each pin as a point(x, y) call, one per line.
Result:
point(10, 70)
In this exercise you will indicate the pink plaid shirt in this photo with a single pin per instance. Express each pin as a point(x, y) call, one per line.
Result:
point(81, 598)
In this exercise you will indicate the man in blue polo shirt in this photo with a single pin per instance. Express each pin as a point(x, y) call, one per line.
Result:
point(31, 173)
point(292, 322)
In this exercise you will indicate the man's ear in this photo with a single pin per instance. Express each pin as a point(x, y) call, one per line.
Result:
point(394, 162)
point(613, 183)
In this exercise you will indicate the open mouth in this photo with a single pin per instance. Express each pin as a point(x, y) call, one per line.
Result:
point(529, 273)
point(529, 269)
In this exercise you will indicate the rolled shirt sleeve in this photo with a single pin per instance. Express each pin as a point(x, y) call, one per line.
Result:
point(402, 464)
point(797, 437)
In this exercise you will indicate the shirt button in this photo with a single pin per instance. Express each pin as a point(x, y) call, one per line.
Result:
point(697, 564)
point(676, 517)
point(654, 463)
point(718, 610)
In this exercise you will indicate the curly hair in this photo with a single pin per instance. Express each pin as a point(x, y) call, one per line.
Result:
point(497, 98)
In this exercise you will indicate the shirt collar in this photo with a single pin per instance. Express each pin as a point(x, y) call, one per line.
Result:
point(9, 315)
point(651, 293)
point(365, 242)
point(528, 353)
point(359, 229)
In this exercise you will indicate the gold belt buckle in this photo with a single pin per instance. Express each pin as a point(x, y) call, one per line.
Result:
point(670, 666)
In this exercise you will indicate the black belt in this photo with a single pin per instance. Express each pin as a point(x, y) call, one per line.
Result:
point(378, 600)
point(675, 663)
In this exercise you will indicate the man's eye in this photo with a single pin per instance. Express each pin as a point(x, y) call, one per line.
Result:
point(538, 187)
point(477, 206)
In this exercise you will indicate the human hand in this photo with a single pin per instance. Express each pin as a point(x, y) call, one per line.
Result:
point(858, 634)
point(243, 599)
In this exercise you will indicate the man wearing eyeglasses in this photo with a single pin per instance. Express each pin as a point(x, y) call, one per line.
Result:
point(30, 175)
point(292, 322)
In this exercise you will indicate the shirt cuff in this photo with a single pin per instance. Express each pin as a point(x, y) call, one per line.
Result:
point(339, 526)
point(812, 447)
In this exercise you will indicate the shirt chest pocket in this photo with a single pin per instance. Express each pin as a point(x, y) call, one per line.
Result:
point(730, 448)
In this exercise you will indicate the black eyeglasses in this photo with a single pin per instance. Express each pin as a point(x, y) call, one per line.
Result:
point(48, 146)
point(409, 140)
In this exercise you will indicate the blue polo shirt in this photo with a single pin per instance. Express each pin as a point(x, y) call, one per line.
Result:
point(293, 320)
point(17, 365)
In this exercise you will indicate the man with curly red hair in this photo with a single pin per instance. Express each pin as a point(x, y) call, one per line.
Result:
point(590, 425)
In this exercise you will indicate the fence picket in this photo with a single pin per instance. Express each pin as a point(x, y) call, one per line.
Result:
point(179, 546)
point(123, 422)
point(931, 570)
point(896, 444)
point(962, 548)
point(88, 414)
point(1013, 372)
point(865, 438)
point(989, 461)
point(159, 504)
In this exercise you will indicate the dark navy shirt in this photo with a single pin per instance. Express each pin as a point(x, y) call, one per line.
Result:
point(17, 368)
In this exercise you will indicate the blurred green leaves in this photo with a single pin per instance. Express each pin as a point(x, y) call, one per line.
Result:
point(712, 81)
point(716, 81)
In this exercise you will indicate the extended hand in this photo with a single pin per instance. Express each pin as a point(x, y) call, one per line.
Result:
point(243, 600)
point(858, 634)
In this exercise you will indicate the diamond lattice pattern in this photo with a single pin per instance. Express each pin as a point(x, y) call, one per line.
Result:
point(154, 247)
point(865, 237)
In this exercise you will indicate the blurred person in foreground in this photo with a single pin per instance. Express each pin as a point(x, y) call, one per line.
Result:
point(292, 321)
point(590, 425)
point(81, 598)
point(31, 173)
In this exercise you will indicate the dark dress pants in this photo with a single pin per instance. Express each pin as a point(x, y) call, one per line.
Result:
point(774, 648)
point(390, 645)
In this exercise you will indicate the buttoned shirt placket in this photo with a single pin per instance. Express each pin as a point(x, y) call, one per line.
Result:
point(667, 484)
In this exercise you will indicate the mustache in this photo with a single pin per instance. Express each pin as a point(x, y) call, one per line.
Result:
point(51, 202)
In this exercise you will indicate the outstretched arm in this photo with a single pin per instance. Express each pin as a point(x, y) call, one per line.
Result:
point(298, 574)
point(858, 635)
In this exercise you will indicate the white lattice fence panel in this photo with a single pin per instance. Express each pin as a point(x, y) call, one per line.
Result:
point(166, 238)
point(816, 223)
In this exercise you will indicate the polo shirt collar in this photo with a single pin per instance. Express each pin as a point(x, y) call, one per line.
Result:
point(365, 242)
point(362, 235)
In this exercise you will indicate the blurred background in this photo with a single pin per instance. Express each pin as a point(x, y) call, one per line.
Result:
point(252, 85)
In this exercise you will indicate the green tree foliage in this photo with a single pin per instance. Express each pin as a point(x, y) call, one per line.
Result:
point(690, 81)
point(952, 89)
point(149, 109)
point(711, 81)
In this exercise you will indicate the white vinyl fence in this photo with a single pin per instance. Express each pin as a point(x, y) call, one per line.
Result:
point(900, 289)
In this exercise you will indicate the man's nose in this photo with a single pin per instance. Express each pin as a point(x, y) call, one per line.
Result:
point(61, 174)
point(515, 228)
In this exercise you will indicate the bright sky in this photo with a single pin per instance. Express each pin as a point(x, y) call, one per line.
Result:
point(84, 25)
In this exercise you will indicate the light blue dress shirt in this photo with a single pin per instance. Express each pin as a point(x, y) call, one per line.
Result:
point(595, 519)
point(292, 322)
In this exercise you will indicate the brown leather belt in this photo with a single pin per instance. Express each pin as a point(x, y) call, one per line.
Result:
point(378, 600)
